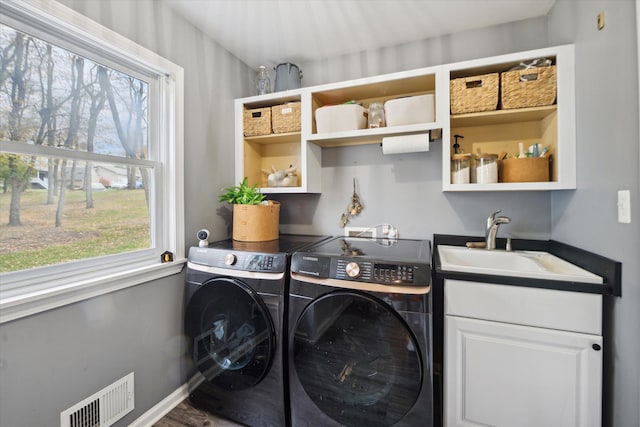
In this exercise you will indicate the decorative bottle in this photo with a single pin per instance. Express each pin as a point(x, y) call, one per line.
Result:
point(263, 82)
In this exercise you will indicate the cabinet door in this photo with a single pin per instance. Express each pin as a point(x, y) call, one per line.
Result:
point(505, 375)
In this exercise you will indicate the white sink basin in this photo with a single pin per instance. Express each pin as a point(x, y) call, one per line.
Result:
point(531, 264)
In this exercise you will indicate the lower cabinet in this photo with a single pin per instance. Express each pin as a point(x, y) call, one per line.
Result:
point(501, 372)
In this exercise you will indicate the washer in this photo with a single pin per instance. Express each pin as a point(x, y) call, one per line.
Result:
point(234, 321)
point(360, 334)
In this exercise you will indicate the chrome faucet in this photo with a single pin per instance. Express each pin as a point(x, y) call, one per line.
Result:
point(490, 232)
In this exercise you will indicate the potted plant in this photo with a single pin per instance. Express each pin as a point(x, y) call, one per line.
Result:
point(254, 218)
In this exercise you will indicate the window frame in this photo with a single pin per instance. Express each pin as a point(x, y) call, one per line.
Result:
point(31, 291)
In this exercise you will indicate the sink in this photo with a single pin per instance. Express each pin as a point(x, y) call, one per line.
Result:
point(530, 264)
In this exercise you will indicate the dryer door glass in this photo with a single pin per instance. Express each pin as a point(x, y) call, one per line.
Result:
point(231, 332)
point(357, 359)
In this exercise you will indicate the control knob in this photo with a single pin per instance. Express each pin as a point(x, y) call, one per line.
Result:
point(353, 270)
point(230, 259)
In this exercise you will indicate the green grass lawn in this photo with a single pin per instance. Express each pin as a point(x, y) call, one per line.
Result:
point(118, 222)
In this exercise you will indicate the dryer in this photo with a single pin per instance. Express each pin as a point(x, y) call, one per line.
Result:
point(235, 325)
point(359, 347)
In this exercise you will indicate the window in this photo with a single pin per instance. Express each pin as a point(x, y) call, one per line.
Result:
point(90, 160)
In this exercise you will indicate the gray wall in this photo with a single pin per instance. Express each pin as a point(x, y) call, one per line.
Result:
point(406, 189)
point(608, 152)
point(59, 357)
point(52, 360)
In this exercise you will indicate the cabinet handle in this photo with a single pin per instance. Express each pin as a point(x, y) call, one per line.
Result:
point(596, 347)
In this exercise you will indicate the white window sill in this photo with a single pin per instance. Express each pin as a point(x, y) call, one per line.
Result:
point(26, 304)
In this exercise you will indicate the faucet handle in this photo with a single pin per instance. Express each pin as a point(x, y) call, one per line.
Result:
point(492, 218)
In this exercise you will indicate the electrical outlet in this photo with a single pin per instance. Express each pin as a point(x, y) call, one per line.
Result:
point(624, 206)
point(369, 232)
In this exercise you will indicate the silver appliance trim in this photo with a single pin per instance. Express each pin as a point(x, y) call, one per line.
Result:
point(235, 273)
point(363, 286)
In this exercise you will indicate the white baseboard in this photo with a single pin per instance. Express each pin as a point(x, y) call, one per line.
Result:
point(163, 407)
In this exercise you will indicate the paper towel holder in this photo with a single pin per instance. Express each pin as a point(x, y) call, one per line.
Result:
point(434, 135)
point(411, 143)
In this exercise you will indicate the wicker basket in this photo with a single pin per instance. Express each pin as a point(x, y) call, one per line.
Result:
point(286, 117)
point(530, 169)
point(257, 121)
point(474, 94)
point(533, 87)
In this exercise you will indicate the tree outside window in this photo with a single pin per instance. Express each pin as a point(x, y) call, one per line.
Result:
point(50, 97)
point(91, 158)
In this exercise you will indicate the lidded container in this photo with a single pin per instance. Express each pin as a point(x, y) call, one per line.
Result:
point(288, 77)
point(263, 82)
point(376, 115)
point(460, 168)
point(486, 168)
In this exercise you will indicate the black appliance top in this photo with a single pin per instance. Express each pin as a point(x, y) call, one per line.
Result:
point(385, 261)
point(268, 256)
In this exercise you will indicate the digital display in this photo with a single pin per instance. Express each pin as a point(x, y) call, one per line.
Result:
point(259, 262)
point(393, 273)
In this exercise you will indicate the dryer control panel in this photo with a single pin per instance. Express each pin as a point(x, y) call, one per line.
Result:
point(361, 270)
point(374, 272)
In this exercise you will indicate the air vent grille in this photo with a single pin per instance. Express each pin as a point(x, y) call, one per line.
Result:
point(103, 408)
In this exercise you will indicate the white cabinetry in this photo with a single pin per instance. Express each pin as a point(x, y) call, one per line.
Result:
point(380, 89)
point(304, 149)
point(253, 154)
point(501, 130)
point(517, 356)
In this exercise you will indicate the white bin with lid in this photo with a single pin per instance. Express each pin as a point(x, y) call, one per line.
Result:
point(410, 110)
point(340, 118)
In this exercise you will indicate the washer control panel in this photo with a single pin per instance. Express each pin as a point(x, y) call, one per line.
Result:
point(238, 260)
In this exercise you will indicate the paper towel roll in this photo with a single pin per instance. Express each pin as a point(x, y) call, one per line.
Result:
point(405, 143)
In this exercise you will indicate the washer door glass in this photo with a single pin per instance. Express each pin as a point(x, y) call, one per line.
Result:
point(357, 359)
point(231, 332)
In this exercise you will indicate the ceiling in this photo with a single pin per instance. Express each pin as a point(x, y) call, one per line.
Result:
point(268, 32)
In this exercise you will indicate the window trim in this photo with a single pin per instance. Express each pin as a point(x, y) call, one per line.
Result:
point(27, 292)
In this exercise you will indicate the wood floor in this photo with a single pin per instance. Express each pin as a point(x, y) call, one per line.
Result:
point(185, 415)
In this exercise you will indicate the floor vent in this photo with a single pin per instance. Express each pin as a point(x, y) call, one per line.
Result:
point(103, 408)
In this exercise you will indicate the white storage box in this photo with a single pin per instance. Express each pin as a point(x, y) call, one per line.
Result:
point(410, 110)
point(340, 118)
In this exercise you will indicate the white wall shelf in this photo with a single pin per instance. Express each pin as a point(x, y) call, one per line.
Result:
point(499, 130)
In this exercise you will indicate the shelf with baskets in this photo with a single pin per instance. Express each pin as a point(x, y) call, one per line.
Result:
point(269, 136)
point(260, 148)
point(540, 110)
point(499, 128)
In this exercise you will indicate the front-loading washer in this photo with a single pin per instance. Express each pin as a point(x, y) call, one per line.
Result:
point(359, 346)
point(234, 321)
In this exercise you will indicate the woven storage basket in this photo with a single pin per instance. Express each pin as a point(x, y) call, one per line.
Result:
point(286, 117)
point(529, 169)
point(533, 87)
point(474, 94)
point(257, 121)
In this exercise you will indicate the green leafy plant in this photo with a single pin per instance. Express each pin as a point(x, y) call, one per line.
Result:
point(242, 194)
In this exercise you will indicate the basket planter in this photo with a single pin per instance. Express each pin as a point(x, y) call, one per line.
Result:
point(256, 223)
point(533, 87)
